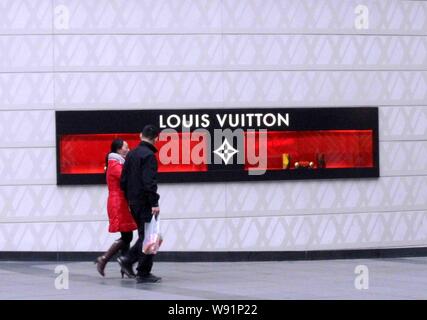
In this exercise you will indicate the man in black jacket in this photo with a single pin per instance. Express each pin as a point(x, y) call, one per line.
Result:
point(139, 183)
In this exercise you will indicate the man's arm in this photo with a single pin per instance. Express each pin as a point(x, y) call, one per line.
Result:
point(124, 179)
point(149, 178)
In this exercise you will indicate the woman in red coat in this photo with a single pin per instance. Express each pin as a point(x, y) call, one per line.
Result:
point(119, 215)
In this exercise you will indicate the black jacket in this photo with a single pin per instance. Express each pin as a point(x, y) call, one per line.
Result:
point(139, 175)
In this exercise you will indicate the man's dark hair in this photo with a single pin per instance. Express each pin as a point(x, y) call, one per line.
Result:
point(150, 132)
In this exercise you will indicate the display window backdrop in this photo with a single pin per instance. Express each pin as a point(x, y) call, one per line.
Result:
point(202, 145)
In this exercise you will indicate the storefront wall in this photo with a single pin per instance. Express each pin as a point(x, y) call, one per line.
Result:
point(101, 55)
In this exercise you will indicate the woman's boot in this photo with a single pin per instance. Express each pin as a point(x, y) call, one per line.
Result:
point(101, 261)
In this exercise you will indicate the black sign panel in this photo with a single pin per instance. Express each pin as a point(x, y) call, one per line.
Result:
point(288, 143)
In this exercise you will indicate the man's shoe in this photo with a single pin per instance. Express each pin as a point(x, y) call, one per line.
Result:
point(149, 278)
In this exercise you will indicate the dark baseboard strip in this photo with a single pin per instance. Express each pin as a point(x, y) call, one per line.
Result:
point(228, 256)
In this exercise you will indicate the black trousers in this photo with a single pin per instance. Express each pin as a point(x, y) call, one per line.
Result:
point(141, 214)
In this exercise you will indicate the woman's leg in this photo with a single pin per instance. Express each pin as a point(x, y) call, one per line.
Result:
point(126, 237)
point(102, 261)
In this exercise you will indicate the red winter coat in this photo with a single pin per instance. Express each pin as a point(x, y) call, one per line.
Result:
point(119, 215)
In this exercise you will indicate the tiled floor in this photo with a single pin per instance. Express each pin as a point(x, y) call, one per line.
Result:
point(403, 278)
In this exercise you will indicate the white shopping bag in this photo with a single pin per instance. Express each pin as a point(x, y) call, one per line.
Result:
point(152, 237)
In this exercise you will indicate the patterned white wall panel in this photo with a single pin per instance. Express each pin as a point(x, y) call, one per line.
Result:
point(321, 88)
point(27, 129)
point(44, 203)
point(185, 201)
point(323, 16)
point(29, 166)
point(308, 52)
point(37, 128)
point(242, 16)
point(196, 235)
point(326, 196)
point(136, 16)
point(237, 52)
point(333, 231)
point(400, 158)
point(196, 89)
point(28, 237)
point(137, 90)
point(403, 123)
point(26, 91)
point(26, 53)
point(25, 16)
point(49, 203)
point(133, 54)
point(81, 236)
point(316, 232)
point(84, 236)
point(237, 89)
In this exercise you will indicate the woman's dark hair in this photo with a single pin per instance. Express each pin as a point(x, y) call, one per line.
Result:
point(116, 145)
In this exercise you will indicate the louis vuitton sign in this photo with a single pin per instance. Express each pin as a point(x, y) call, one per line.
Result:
point(197, 145)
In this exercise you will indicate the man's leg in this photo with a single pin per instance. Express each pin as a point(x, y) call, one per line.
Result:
point(145, 261)
point(145, 264)
point(133, 253)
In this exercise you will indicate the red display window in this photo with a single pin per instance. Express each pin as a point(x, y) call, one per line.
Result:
point(313, 149)
point(86, 153)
